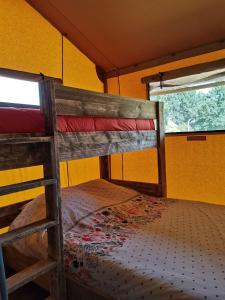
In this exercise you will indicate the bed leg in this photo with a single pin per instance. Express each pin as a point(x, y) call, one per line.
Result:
point(3, 286)
point(161, 149)
point(105, 170)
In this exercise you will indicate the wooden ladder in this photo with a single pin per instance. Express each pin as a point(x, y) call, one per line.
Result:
point(52, 223)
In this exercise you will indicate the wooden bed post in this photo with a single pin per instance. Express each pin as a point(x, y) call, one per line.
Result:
point(105, 161)
point(161, 148)
point(3, 286)
point(52, 192)
point(105, 167)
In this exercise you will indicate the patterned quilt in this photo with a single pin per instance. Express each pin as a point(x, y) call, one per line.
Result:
point(133, 246)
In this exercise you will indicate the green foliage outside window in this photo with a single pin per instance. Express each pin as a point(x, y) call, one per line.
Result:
point(196, 110)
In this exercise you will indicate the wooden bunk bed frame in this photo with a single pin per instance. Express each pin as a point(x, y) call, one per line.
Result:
point(23, 150)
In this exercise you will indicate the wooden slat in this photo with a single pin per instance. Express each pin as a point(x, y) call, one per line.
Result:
point(142, 187)
point(24, 140)
point(29, 274)
point(71, 101)
point(161, 149)
point(13, 188)
point(22, 155)
point(21, 232)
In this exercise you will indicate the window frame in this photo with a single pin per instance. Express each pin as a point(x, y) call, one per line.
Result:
point(27, 76)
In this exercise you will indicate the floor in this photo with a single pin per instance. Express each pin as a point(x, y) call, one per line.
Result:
point(29, 292)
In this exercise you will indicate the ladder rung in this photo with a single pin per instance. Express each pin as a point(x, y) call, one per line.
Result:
point(13, 188)
point(21, 232)
point(29, 274)
point(25, 140)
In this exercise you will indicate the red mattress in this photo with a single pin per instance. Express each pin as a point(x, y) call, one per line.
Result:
point(18, 120)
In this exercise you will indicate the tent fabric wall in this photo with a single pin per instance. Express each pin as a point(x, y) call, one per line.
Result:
point(195, 170)
point(29, 43)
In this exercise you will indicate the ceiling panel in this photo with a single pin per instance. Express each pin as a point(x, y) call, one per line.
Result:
point(118, 34)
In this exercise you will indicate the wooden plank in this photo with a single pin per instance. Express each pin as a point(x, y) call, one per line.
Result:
point(186, 71)
point(52, 193)
point(168, 59)
point(18, 105)
point(13, 188)
point(78, 145)
point(29, 274)
point(161, 149)
point(21, 155)
point(71, 101)
point(24, 140)
point(151, 189)
point(105, 167)
point(76, 290)
point(10, 212)
point(21, 232)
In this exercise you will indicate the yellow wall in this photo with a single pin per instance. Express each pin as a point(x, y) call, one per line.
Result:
point(195, 170)
point(29, 43)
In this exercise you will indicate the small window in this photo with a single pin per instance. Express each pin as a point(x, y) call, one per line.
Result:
point(19, 91)
point(194, 110)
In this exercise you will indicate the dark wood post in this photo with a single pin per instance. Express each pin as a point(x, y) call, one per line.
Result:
point(52, 192)
point(161, 148)
point(105, 168)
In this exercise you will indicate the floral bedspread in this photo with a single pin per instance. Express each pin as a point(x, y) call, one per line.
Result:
point(131, 246)
point(100, 233)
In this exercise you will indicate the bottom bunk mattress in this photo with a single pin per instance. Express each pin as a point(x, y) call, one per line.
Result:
point(133, 246)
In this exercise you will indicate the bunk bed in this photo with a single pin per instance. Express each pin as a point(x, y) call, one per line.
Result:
point(122, 239)
point(76, 124)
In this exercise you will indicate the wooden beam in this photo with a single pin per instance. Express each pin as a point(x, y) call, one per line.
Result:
point(24, 140)
point(71, 101)
point(21, 155)
point(105, 167)
point(151, 189)
point(161, 149)
point(29, 274)
point(52, 192)
point(29, 229)
point(204, 49)
point(186, 71)
point(13, 188)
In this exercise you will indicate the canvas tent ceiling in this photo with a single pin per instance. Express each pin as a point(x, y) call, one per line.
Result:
point(126, 35)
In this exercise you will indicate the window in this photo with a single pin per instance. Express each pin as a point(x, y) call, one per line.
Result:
point(194, 110)
point(18, 91)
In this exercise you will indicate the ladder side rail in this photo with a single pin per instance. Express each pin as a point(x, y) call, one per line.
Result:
point(52, 193)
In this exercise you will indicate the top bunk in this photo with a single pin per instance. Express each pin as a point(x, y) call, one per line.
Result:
point(84, 124)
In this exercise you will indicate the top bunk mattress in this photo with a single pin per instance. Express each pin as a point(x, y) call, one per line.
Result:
point(25, 120)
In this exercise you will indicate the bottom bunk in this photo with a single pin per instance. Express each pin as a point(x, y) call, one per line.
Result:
point(121, 244)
